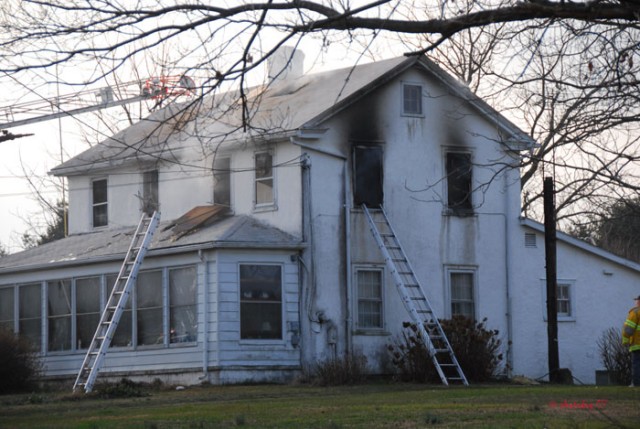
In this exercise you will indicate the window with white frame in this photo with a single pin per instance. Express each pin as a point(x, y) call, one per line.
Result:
point(149, 306)
point(412, 99)
point(59, 315)
point(565, 302)
point(458, 170)
point(264, 191)
point(7, 308)
point(462, 292)
point(183, 315)
point(88, 305)
point(260, 301)
point(30, 313)
point(370, 298)
point(99, 203)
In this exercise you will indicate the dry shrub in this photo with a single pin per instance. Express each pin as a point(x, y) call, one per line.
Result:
point(615, 356)
point(20, 364)
point(349, 369)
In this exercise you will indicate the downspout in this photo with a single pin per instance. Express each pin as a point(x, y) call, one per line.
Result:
point(507, 249)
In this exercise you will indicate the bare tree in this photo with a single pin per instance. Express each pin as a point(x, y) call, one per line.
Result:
point(565, 71)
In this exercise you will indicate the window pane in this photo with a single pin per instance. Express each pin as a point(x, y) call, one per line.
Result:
point(100, 210)
point(264, 164)
point(6, 308)
point(122, 336)
point(264, 178)
point(149, 305)
point(462, 300)
point(264, 191)
point(563, 300)
point(412, 99)
point(369, 298)
point(87, 310)
point(59, 315)
point(30, 311)
point(183, 317)
point(261, 301)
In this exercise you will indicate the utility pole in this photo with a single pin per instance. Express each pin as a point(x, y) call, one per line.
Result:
point(551, 271)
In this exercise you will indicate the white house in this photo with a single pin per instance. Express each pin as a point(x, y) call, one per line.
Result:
point(264, 264)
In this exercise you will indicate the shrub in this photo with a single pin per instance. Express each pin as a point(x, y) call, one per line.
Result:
point(477, 349)
point(125, 388)
point(19, 363)
point(350, 369)
point(615, 356)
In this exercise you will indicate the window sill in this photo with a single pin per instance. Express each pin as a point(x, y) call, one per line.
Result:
point(265, 208)
point(412, 115)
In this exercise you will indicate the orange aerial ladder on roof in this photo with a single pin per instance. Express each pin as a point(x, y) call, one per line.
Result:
point(45, 109)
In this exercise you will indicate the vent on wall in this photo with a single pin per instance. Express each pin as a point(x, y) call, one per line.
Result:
point(529, 240)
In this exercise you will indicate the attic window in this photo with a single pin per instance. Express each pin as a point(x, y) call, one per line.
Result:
point(530, 240)
point(412, 99)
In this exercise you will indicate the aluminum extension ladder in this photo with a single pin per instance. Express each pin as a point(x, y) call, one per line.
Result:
point(116, 302)
point(414, 298)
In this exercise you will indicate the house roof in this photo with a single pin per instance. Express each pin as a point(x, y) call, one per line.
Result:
point(583, 245)
point(171, 237)
point(275, 111)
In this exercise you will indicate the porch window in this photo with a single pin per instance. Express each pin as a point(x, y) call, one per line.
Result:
point(459, 185)
point(87, 310)
point(183, 316)
point(7, 312)
point(30, 313)
point(59, 315)
point(149, 308)
point(150, 201)
point(369, 283)
point(123, 334)
point(263, 179)
point(222, 181)
point(412, 99)
point(368, 177)
point(100, 212)
point(260, 301)
point(461, 284)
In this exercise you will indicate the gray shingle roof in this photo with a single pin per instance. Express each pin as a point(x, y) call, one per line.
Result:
point(112, 244)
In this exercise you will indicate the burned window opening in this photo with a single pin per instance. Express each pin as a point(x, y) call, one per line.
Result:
point(368, 177)
point(150, 199)
point(459, 185)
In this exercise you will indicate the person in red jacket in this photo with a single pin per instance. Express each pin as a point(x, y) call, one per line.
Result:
point(631, 338)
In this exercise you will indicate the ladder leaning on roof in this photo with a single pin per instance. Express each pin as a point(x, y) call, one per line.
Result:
point(116, 302)
point(414, 298)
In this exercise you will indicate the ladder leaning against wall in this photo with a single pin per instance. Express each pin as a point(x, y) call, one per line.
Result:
point(414, 298)
point(116, 302)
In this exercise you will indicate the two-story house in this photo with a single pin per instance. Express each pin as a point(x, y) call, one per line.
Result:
point(264, 263)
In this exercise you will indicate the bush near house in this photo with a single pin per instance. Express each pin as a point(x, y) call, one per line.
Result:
point(349, 369)
point(477, 349)
point(19, 363)
point(615, 356)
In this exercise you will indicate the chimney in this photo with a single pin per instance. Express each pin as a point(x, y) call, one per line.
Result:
point(285, 64)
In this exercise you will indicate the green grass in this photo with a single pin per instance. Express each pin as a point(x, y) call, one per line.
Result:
point(374, 405)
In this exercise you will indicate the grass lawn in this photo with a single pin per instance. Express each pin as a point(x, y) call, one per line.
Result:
point(373, 405)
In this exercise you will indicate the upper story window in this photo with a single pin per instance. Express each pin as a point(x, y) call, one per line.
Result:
point(412, 99)
point(150, 199)
point(368, 177)
point(99, 199)
point(459, 182)
point(264, 191)
point(222, 181)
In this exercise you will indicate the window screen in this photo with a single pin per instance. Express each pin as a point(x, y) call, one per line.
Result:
point(30, 313)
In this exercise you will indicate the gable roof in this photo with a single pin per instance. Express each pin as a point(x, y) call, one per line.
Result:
point(112, 245)
point(582, 245)
point(275, 111)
